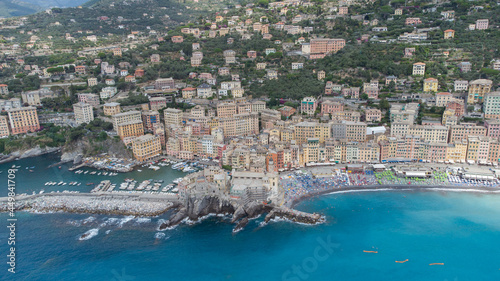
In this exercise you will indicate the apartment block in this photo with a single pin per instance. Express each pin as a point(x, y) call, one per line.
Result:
point(461, 85)
point(225, 110)
point(418, 68)
point(308, 105)
point(240, 124)
point(482, 24)
point(430, 85)
point(478, 89)
point(188, 93)
point(319, 48)
point(462, 131)
point(349, 131)
point(130, 129)
point(172, 116)
point(146, 147)
point(23, 120)
point(328, 107)
point(404, 112)
point(111, 108)
point(307, 130)
point(443, 98)
point(412, 21)
point(150, 118)
point(164, 83)
point(4, 126)
point(352, 116)
point(491, 106)
point(493, 128)
point(83, 113)
point(31, 98)
point(457, 151)
point(89, 98)
point(373, 115)
point(125, 117)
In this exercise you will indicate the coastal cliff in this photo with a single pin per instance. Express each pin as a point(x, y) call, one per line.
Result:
point(196, 208)
point(26, 153)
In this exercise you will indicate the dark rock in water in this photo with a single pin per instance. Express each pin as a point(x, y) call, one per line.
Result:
point(241, 224)
point(250, 210)
point(197, 208)
point(294, 215)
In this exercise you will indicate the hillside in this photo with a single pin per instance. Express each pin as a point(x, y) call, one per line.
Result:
point(13, 8)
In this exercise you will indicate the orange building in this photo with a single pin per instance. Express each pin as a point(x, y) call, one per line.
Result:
point(23, 120)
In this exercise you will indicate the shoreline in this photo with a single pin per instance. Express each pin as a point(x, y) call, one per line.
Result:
point(9, 158)
point(387, 187)
point(120, 204)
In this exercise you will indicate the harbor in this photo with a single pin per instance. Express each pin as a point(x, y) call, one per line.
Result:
point(51, 179)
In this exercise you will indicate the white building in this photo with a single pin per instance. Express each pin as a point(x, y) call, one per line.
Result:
point(83, 113)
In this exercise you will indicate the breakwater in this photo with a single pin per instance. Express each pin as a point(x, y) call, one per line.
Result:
point(100, 203)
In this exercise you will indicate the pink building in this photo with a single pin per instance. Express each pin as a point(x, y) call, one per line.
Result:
point(409, 52)
point(177, 39)
point(343, 10)
point(252, 54)
point(493, 127)
point(459, 108)
point(437, 152)
point(328, 107)
point(372, 92)
point(88, 98)
point(413, 21)
point(186, 155)
point(352, 92)
point(373, 115)
point(482, 24)
point(308, 105)
point(157, 103)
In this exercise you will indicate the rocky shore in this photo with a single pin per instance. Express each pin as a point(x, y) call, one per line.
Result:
point(196, 208)
point(33, 152)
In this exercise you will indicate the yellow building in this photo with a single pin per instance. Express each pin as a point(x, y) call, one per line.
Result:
point(287, 135)
point(225, 110)
point(240, 124)
point(130, 129)
point(457, 151)
point(172, 116)
point(4, 127)
point(111, 108)
point(449, 118)
point(124, 117)
point(430, 85)
point(478, 89)
point(472, 148)
point(434, 133)
point(306, 130)
point(449, 34)
point(146, 147)
point(117, 52)
point(23, 120)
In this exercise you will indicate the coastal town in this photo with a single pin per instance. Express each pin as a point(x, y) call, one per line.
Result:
point(266, 102)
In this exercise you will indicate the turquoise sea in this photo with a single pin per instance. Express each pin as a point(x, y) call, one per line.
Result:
point(458, 229)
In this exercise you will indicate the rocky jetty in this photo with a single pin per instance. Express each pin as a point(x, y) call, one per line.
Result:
point(197, 208)
point(294, 215)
